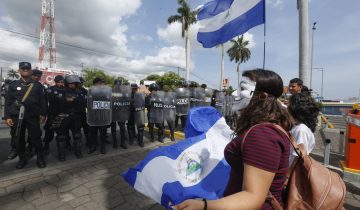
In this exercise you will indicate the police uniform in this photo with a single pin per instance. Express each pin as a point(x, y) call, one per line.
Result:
point(71, 104)
point(160, 126)
point(54, 94)
point(131, 122)
point(83, 94)
point(35, 106)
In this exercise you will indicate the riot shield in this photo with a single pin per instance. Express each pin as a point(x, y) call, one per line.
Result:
point(139, 108)
point(121, 98)
point(220, 102)
point(229, 101)
point(182, 101)
point(157, 107)
point(99, 105)
point(170, 107)
point(208, 95)
point(200, 96)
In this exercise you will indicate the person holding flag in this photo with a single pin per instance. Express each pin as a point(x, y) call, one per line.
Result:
point(259, 154)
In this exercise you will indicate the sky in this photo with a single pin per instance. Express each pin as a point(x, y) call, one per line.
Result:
point(133, 39)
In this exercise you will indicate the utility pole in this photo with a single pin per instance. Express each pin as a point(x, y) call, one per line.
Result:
point(303, 41)
point(312, 53)
point(222, 67)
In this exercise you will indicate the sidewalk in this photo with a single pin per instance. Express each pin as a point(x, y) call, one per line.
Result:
point(93, 182)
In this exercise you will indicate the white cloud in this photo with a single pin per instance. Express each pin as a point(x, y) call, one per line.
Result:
point(146, 38)
point(276, 3)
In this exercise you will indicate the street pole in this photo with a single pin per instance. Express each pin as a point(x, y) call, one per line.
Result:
point(322, 81)
point(312, 53)
point(222, 66)
point(303, 41)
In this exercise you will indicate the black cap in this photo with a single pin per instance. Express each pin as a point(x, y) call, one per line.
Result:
point(58, 78)
point(36, 72)
point(24, 65)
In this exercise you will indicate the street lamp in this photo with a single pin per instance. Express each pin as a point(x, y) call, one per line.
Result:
point(312, 53)
point(322, 81)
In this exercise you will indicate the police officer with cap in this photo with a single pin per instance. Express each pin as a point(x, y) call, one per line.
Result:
point(54, 93)
point(25, 109)
point(131, 122)
point(83, 93)
point(36, 75)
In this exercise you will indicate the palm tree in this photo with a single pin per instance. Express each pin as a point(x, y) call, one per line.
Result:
point(240, 53)
point(13, 74)
point(186, 17)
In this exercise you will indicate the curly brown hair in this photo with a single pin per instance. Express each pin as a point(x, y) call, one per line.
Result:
point(264, 105)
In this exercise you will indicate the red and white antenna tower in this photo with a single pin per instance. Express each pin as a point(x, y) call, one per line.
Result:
point(47, 33)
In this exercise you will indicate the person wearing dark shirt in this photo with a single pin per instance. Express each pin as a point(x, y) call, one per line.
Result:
point(54, 93)
point(30, 95)
point(70, 106)
point(259, 154)
point(84, 125)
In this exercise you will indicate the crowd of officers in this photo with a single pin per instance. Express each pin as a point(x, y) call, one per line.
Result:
point(68, 108)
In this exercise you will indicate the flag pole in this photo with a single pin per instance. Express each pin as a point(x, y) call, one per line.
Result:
point(264, 58)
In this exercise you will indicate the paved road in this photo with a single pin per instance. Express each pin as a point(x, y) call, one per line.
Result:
point(93, 182)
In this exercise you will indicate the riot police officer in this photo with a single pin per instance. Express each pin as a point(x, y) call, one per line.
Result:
point(121, 111)
point(154, 104)
point(25, 109)
point(137, 115)
point(98, 124)
point(69, 117)
point(54, 93)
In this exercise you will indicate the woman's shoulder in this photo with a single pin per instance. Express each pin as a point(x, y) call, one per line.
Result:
point(268, 131)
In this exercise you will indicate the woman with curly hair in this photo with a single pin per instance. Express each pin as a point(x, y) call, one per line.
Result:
point(304, 110)
point(259, 153)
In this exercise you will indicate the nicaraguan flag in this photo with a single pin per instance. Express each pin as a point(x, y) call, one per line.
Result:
point(222, 20)
point(193, 168)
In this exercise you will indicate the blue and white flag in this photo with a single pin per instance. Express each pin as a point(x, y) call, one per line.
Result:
point(193, 168)
point(222, 20)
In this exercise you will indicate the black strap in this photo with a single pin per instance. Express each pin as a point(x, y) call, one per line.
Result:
point(205, 203)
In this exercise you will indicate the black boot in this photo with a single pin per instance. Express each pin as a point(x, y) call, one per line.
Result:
point(22, 162)
point(151, 131)
point(103, 148)
point(77, 148)
point(61, 151)
point(12, 154)
point(46, 148)
point(140, 137)
point(160, 135)
point(115, 144)
point(172, 138)
point(40, 160)
point(131, 133)
point(123, 142)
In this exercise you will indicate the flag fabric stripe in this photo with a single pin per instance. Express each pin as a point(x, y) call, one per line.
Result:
point(213, 8)
point(189, 168)
point(239, 18)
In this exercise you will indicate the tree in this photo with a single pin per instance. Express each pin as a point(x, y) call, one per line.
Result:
point(239, 52)
point(186, 17)
point(91, 74)
point(169, 80)
point(13, 74)
point(153, 77)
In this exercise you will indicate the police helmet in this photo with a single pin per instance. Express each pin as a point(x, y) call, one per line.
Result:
point(117, 82)
point(134, 85)
point(58, 78)
point(153, 87)
point(72, 79)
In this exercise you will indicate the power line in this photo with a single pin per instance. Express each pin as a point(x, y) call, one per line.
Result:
point(65, 44)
